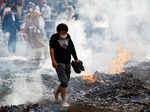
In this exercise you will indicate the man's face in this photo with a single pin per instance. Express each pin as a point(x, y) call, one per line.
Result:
point(63, 33)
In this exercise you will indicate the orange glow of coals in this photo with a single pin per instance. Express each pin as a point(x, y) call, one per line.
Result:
point(88, 76)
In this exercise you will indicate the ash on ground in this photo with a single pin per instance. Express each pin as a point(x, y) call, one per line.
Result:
point(115, 93)
point(124, 92)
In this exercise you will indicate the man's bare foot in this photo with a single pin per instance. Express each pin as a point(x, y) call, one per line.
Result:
point(65, 104)
point(56, 97)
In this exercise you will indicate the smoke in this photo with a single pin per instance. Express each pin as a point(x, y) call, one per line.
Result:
point(27, 83)
point(105, 25)
point(26, 87)
point(26, 90)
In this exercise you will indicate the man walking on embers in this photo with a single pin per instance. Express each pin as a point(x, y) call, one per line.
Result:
point(61, 49)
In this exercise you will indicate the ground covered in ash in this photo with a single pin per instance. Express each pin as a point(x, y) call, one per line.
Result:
point(124, 92)
point(118, 93)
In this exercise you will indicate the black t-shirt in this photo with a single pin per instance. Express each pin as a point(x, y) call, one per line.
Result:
point(63, 48)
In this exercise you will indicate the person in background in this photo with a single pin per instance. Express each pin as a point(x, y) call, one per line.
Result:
point(11, 25)
point(2, 5)
point(61, 49)
point(6, 10)
point(19, 5)
point(34, 28)
point(69, 10)
point(46, 13)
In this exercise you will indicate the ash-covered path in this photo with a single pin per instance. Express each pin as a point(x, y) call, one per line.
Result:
point(29, 84)
point(27, 81)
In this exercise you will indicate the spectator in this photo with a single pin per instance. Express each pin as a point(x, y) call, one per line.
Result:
point(6, 10)
point(69, 10)
point(46, 13)
point(11, 25)
point(34, 26)
point(2, 3)
point(19, 4)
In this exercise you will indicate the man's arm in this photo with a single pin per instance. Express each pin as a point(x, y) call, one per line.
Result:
point(73, 51)
point(54, 63)
point(52, 45)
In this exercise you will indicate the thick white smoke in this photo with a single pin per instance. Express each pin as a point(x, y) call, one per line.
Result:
point(25, 91)
point(105, 25)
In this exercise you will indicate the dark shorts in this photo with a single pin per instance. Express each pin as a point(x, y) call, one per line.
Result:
point(63, 72)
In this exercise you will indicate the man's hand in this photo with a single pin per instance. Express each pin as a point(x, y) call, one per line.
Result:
point(55, 65)
point(77, 60)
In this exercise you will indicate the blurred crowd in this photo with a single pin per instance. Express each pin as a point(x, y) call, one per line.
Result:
point(34, 21)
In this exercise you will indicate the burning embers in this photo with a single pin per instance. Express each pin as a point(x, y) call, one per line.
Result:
point(88, 76)
point(116, 66)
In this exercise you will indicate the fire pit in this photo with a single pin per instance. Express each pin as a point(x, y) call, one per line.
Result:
point(119, 92)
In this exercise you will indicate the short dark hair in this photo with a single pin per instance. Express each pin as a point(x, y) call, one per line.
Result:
point(62, 27)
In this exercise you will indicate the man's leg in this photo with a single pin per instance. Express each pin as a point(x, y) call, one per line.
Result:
point(63, 77)
point(61, 90)
point(63, 95)
point(14, 42)
point(56, 93)
point(65, 85)
point(10, 43)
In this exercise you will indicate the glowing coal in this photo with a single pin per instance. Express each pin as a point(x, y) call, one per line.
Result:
point(88, 76)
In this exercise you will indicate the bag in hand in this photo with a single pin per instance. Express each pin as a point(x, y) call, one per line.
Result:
point(77, 66)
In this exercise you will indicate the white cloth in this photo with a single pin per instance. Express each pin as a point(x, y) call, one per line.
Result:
point(13, 17)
